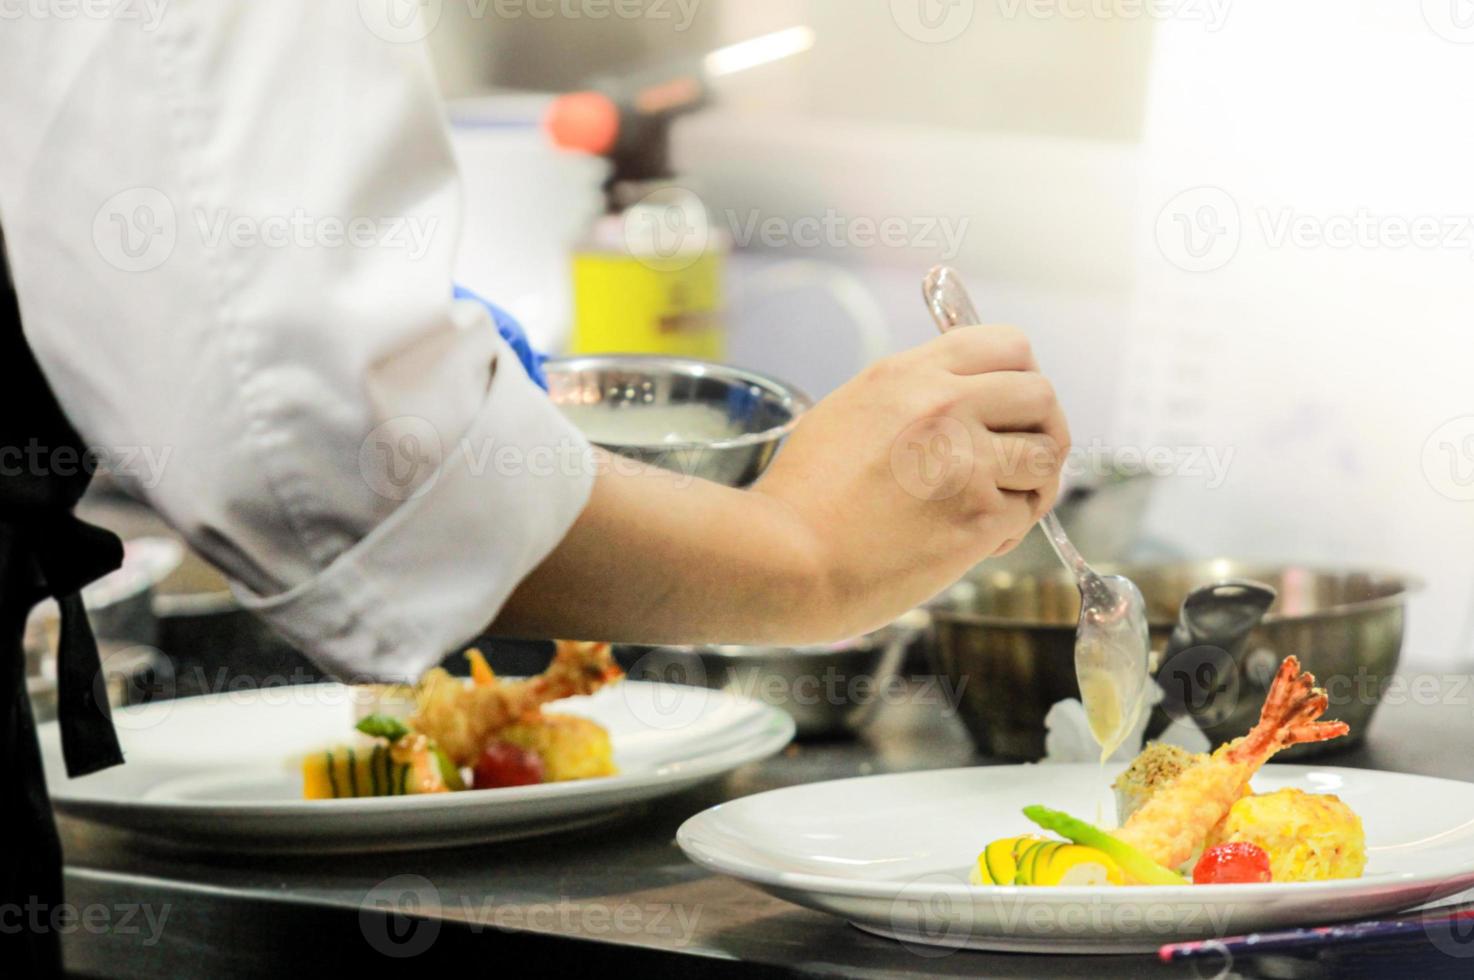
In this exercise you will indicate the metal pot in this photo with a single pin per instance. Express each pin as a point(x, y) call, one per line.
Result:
point(1012, 636)
point(834, 689)
point(716, 422)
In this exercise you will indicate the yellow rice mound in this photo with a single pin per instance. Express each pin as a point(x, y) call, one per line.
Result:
point(570, 747)
point(1308, 836)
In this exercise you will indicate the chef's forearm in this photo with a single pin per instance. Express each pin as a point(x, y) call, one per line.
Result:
point(660, 558)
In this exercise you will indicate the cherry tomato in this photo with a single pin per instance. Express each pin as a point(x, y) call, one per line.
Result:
point(1234, 863)
point(503, 764)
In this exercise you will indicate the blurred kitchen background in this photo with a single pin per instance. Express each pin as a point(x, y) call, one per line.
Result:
point(1238, 231)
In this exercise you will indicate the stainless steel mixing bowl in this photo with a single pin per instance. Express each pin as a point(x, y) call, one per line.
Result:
point(720, 423)
point(1012, 636)
point(829, 690)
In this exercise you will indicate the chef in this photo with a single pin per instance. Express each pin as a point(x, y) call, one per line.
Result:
point(229, 229)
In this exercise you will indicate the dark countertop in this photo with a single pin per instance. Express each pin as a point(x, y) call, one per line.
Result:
point(619, 895)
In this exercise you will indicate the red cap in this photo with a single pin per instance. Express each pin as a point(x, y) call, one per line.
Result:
point(587, 121)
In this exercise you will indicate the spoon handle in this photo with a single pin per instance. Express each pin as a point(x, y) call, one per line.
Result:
point(947, 299)
point(1063, 547)
point(950, 307)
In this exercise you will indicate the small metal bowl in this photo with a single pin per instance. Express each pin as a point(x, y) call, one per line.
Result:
point(716, 422)
point(1006, 641)
point(829, 690)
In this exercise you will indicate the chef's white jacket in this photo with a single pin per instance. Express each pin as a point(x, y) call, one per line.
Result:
point(231, 226)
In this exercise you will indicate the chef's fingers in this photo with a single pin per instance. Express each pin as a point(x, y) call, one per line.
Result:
point(1024, 461)
point(984, 348)
point(1016, 514)
point(1020, 401)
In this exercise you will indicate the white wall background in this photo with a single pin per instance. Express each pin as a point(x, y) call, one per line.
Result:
point(1126, 179)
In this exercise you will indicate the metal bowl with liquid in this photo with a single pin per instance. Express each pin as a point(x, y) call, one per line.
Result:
point(713, 421)
point(1007, 639)
point(830, 690)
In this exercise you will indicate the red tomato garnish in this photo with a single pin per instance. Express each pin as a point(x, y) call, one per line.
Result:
point(504, 764)
point(1234, 863)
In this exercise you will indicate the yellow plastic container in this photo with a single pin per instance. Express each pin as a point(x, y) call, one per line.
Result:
point(649, 281)
point(623, 304)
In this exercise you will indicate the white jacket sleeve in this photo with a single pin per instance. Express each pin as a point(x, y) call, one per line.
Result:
point(231, 227)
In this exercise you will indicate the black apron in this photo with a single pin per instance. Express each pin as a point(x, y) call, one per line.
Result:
point(44, 551)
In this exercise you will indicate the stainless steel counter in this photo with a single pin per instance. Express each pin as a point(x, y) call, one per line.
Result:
point(616, 896)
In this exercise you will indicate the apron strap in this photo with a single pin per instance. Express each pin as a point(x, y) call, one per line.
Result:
point(44, 551)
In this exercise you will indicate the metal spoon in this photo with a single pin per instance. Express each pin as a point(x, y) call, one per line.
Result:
point(1112, 643)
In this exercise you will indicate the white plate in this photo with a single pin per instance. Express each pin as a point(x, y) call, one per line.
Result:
point(892, 855)
point(222, 770)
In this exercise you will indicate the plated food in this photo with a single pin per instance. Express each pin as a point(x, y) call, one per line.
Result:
point(448, 734)
point(1195, 818)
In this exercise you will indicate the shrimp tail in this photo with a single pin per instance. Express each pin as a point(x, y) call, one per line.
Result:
point(1290, 714)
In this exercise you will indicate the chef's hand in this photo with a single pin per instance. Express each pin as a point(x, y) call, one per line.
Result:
point(922, 466)
point(888, 491)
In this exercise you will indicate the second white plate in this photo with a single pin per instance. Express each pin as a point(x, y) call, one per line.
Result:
point(892, 854)
point(221, 771)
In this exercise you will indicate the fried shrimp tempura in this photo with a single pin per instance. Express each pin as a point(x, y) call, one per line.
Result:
point(462, 717)
point(1149, 773)
point(1170, 825)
